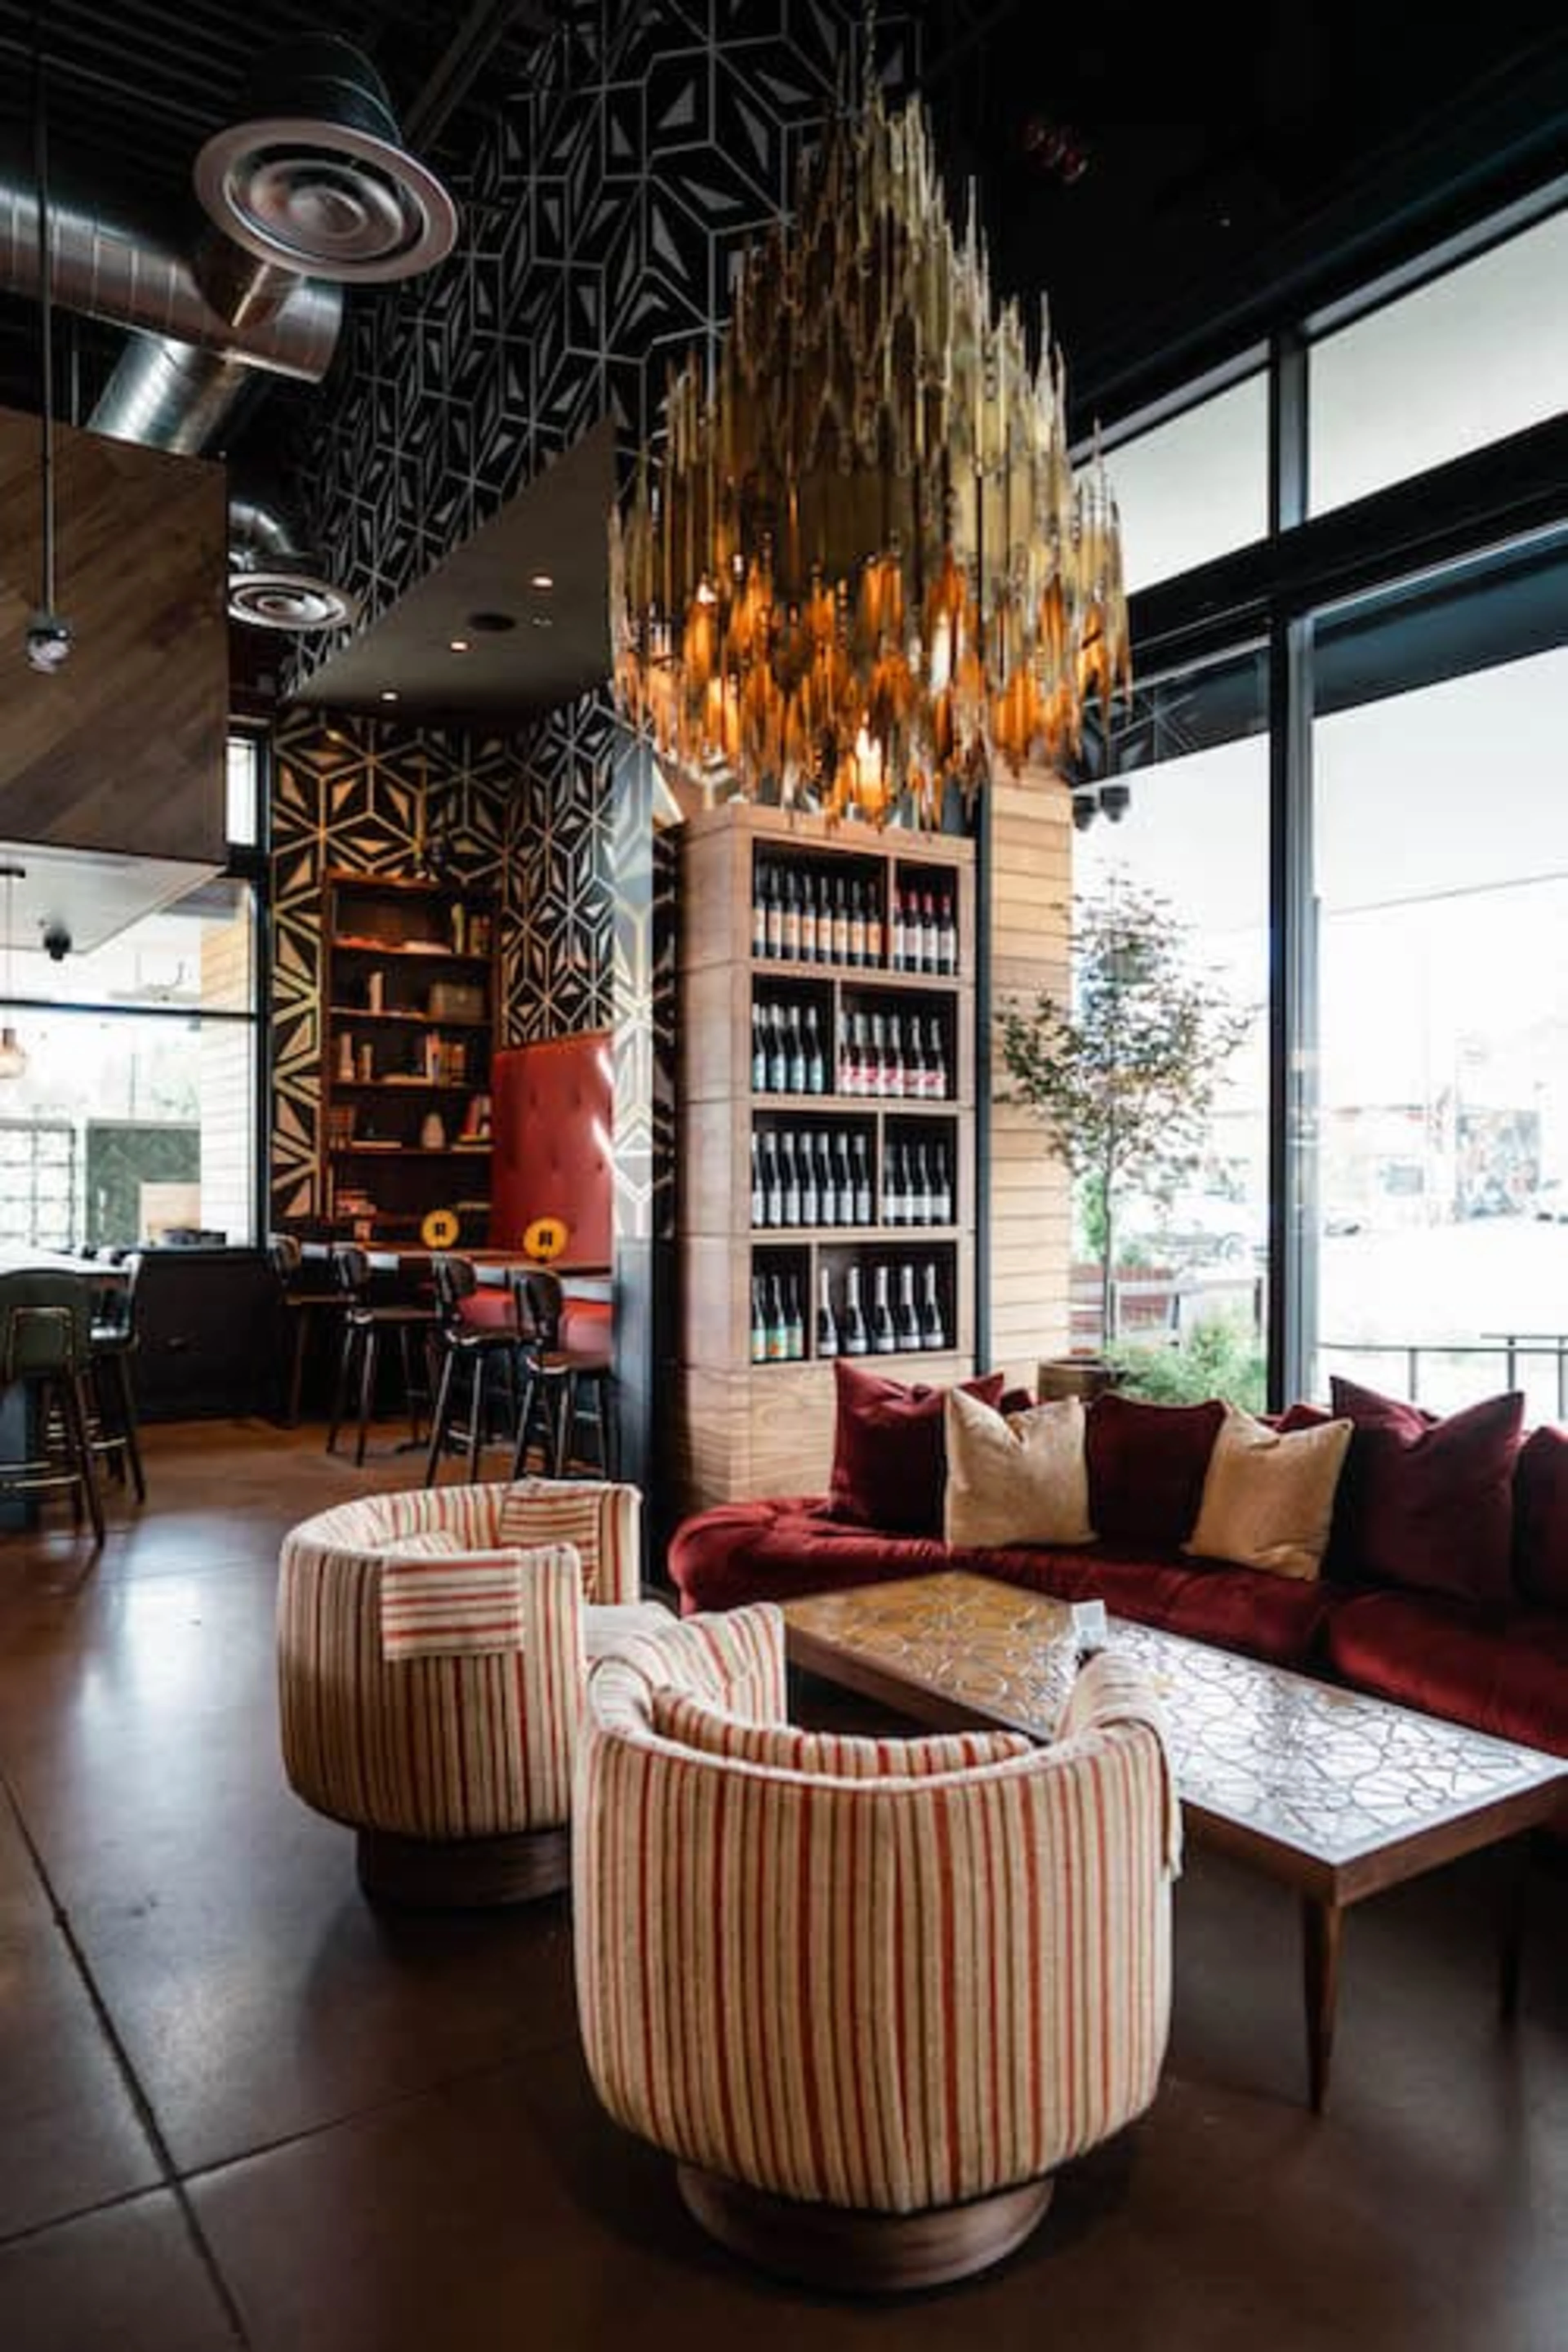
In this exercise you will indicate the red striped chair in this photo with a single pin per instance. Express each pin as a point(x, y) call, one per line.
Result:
point(433, 1648)
point(868, 1993)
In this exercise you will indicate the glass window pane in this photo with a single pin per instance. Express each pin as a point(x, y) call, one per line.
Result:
point(244, 791)
point(197, 951)
point(1442, 885)
point(1477, 354)
point(1193, 488)
point(1195, 831)
point(122, 1127)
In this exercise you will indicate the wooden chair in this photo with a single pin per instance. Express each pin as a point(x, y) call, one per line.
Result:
point(468, 1350)
point(365, 1319)
point(112, 1346)
point(46, 1351)
point(302, 1297)
point(566, 1379)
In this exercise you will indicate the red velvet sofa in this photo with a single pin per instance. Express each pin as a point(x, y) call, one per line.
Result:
point(1460, 1611)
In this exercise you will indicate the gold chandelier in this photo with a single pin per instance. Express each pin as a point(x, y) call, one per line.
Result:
point(863, 567)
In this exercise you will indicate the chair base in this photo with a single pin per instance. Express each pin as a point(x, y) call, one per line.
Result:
point(454, 1874)
point(861, 2252)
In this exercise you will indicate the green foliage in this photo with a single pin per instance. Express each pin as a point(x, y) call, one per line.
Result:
point(1124, 1077)
point(1219, 1357)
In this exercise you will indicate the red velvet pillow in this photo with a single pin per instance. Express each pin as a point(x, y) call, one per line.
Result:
point(1146, 1466)
point(1541, 1516)
point(890, 1458)
point(1428, 1503)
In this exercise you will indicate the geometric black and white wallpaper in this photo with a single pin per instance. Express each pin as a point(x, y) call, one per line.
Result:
point(524, 818)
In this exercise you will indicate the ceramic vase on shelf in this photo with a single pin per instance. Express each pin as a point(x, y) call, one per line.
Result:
point(432, 1133)
point(346, 1058)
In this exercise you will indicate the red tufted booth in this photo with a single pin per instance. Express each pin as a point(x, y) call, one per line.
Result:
point(553, 1118)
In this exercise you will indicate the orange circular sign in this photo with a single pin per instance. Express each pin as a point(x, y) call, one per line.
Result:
point(439, 1230)
point(545, 1238)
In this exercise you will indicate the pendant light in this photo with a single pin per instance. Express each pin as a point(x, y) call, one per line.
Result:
point(48, 636)
point(12, 1053)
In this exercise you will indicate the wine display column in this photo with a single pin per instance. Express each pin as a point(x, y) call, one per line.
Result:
point(826, 1133)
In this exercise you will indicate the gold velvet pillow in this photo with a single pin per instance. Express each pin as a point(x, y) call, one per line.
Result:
point(1269, 1494)
point(1015, 1479)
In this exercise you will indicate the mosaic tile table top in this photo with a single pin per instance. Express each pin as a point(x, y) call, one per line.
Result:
point(1328, 1773)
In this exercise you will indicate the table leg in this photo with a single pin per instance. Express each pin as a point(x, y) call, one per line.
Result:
point(1321, 1923)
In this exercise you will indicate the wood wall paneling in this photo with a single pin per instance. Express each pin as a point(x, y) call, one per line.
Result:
point(123, 749)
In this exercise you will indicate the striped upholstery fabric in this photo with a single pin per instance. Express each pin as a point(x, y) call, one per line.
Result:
point(888, 1994)
point(459, 1603)
point(691, 1723)
point(446, 1746)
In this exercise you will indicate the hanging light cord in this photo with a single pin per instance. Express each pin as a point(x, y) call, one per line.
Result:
point(41, 166)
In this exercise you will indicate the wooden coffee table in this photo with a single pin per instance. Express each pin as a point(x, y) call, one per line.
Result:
point(1334, 1794)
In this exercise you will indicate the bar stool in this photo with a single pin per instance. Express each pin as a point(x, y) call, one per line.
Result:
point(44, 1352)
point(570, 1377)
point(468, 1348)
point(111, 1344)
point(302, 1297)
point(365, 1321)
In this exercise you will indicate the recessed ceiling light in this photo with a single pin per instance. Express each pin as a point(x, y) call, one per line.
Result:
point(542, 579)
point(460, 645)
point(389, 694)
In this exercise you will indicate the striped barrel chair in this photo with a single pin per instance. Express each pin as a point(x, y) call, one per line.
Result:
point(869, 1993)
point(432, 1652)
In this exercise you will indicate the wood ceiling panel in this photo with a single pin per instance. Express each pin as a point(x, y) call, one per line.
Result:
point(123, 747)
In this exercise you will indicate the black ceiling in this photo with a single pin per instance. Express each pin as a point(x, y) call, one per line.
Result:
point(1148, 169)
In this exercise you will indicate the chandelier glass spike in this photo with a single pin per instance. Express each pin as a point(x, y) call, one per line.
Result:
point(863, 567)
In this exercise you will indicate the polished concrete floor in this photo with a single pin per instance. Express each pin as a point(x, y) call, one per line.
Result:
point(238, 2106)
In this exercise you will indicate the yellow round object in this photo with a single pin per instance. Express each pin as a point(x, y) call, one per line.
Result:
point(439, 1230)
point(545, 1238)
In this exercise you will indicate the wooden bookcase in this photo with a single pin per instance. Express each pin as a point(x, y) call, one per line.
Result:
point(409, 1008)
point(748, 1427)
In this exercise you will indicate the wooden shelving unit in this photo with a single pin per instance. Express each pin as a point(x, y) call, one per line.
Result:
point(766, 1427)
point(409, 985)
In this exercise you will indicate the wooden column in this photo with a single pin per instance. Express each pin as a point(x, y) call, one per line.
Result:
point(1029, 864)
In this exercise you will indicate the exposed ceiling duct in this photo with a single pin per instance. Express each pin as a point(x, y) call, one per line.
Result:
point(313, 185)
point(273, 584)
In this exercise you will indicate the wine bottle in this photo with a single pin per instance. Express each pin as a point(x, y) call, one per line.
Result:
point(857, 924)
point(840, 921)
point(807, 918)
point(895, 1073)
point(916, 1077)
point(936, 1066)
point(795, 1055)
point(826, 1323)
point(827, 1182)
point(759, 1050)
point(773, 1193)
point(777, 1335)
point(857, 1339)
point(927, 932)
point(794, 1322)
point(758, 1202)
point(778, 1053)
point(873, 924)
point(815, 1062)
point(844, 1181)
point(810, 1199)
point(789, 1182)
point(932, 1334)
point(792, 916)
point(759, 908)
point(759, 1322)
point(907, 1323)
point(862, 1184)
point(774, 913)
point(876, 1060)
point(891, 1208)
point(843, 1056)
point(940, 1189)
point(947, 936)
point(884, 1338)
point(917, 1208)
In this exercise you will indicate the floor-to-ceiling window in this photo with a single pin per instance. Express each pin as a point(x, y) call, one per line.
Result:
point(135, 1115)
point(1404, 1139)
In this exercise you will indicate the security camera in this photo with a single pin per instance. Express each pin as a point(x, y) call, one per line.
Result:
point(50, 641)
point(56, 942)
